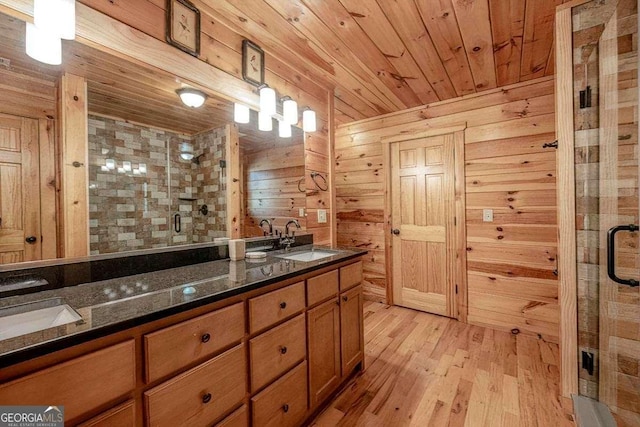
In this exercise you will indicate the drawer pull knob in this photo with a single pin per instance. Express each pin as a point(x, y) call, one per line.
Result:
point(283, 305)
point(206, 398)
point(285, 408)
point(283, 350)
point(345, 298)
point(205, 338)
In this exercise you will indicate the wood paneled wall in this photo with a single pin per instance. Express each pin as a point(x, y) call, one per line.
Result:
point(273, 187)
point(511, 261)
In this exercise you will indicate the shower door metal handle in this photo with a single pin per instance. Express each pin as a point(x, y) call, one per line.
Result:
point(611, 254)
point(177, 223)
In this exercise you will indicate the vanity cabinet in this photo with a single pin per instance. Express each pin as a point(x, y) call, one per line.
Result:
point(177, 346)
point(323, 326)
point(351, 330)
point(200, 395)
point(271, 356)
point(334, 330)
point(82, 384)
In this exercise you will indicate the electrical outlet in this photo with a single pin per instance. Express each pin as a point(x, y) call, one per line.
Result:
point(487, 215)
point(322, 216)
point(301, 212)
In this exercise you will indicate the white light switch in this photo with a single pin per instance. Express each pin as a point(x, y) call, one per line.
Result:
point(301, 212)
point(322, 216)
point(487, 215)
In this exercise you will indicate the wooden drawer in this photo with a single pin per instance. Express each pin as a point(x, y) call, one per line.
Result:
point(81, 384)
point(284, 402)
point(201, 395)
point(274, 306)
point(175, 347)
point(239, 418)
point(121, 416)
point(350, 276)
point(322, 287)
point(276, 351)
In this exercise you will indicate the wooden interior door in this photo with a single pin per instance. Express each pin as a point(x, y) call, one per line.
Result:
point(423, 210)
point(20, 237)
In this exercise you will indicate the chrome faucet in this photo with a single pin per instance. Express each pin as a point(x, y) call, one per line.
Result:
point(288, 240)
point(266, 221)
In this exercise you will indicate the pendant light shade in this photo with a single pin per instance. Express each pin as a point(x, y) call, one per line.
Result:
point(43, 46)
point(284, 129)
point(309, 120)
point(264, 122)
point(290, 111)
point(267, 101)
point(190, 97)
point(240, 113)
point(56, 17)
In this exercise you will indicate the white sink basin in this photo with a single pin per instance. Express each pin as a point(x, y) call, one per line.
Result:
point(36, 316)
point(307, 256)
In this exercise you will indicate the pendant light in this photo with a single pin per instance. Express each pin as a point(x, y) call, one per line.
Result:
point(43, 46)
point(284, 129)
point(267, 100)
point(309, 120)
point(240, 113)
point(190, 97)
point(56, 17)
point(264, 122)
point(186, 151)
point(290, 110)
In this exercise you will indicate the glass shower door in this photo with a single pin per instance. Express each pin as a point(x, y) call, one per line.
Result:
point(607, 180)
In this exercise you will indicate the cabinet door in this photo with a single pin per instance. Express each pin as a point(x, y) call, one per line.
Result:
point(323, 331)
point(351, 329)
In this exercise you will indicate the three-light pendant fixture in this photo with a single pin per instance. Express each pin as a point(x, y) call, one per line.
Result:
point(53, 20)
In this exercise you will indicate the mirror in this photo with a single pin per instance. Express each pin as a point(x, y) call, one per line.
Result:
point(157, 169)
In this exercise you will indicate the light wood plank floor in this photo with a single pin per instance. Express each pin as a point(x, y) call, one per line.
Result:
point(426, 370)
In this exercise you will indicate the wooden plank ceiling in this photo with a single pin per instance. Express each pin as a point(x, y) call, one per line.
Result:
point(388, 55)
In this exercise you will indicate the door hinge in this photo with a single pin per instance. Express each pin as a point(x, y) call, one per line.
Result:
point(585, 97)
point(456, 289)
point(455, 221)
point(588, 362)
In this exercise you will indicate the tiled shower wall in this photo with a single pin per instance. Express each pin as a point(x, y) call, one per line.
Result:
point(136, 208)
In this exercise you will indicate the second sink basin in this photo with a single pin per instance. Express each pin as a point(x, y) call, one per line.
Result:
point(307, 256)
point(36, 316)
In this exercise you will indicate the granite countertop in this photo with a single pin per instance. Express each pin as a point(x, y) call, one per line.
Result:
point(110, 306)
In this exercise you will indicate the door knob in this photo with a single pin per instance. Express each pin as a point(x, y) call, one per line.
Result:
point(31, 240)
point(396, 231)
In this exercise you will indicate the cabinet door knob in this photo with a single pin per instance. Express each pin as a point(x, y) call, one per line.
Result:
point(31, 240)
point(283, 305)
point(345, 298)
point(285, 408)
point(283, 350)
point(396, 231)
point(205, 338)
point(206, 398)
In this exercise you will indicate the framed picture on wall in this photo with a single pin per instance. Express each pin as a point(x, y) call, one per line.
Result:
point(252, 63)
point(183, 26)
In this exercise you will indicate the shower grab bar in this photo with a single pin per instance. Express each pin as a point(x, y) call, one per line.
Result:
point(611, 255)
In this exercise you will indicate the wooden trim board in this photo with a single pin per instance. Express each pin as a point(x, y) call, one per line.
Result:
point(567, 266)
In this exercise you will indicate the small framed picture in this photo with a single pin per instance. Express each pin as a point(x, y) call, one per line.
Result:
point(183, 26)
point(252, 63)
